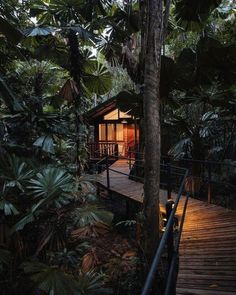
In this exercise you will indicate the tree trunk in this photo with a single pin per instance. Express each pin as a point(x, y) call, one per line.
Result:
point(153, 35)
point(75, 73)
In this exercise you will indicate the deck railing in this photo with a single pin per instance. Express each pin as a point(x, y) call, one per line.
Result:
point(182, 178)
point(209, 181)
point(171, 244)
point(168, 244)
point(101, 149)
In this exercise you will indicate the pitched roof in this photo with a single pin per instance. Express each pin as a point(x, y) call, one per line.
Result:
point(102, 108)
point(126, 101)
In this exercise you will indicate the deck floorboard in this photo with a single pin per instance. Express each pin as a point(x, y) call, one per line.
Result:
point(208, 244)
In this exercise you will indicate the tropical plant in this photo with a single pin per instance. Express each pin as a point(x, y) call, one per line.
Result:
point(50, 280)
point(53, 280)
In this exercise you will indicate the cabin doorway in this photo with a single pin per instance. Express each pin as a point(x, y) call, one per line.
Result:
point(130, 137)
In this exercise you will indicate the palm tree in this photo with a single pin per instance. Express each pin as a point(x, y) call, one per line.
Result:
point(70, 17)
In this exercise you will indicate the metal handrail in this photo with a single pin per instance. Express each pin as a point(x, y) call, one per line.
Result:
point(199, 161)
point(169, 284)
point(105, 159)
point(171, 276)
point(169, 228)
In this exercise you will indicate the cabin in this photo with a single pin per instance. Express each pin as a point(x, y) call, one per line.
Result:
point(112, 131)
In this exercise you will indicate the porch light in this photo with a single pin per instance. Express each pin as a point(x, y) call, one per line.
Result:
point(124, 121)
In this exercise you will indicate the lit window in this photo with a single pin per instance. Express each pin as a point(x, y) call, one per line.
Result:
point(124, 115)
point(102, 132)
point(119, 132)
point(111, 136)
point(112, 115)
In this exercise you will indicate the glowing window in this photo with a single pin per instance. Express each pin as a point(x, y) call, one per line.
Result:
point(115, 115)
point(119, 132)
point(102, 132)
point(112, 115)
point(124, 115)
point(111, 136)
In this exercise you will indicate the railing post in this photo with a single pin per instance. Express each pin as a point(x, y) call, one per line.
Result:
point(170, 241)
point(116, 150)
point(209, 184)
point(169, 188)
point(108, 176)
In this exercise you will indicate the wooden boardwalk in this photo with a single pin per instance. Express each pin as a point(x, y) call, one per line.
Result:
point(208, 243)
point(208, 251)
point(122, 185)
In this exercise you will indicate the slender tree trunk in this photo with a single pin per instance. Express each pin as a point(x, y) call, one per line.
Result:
point(152, 124)
point(75, 72)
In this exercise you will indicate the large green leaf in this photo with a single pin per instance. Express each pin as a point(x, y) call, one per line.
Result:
point(10, 31)
point(56, 12)
point(52, 184)
point(80, 31)
point(8, 97)
point(54, 281)
point(91, 283)
point(15, 172)
point(97, 78)
point(215, 60)
point(45, 143)
point(190, 13)
point(7, 207)
point(91, 214)
point(51, 280)
point(38, 31)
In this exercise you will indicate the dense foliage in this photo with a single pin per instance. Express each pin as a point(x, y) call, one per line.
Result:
point(56, 59)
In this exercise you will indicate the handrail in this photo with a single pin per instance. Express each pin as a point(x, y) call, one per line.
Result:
point(169, 283)
point(210, 175)
point(102, 148)
point(169, 228)
point(173, 253)
point(199, 161)
point(173, 250)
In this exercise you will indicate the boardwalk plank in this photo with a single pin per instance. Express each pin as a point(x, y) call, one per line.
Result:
point(208, 243)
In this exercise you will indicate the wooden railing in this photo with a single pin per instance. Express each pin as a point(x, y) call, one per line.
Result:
point(101, 149)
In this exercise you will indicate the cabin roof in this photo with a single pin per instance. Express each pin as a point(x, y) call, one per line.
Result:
point(102, 109)
point(125, 101)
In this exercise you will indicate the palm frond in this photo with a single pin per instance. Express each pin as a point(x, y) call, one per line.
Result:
point(90, 215)
point(51, 280)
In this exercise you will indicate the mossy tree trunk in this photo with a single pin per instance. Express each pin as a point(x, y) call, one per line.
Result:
point(75, 59)
point(151, 104)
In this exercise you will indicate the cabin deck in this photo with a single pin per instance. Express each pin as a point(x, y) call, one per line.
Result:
point(120, 183)
point(208, 243)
